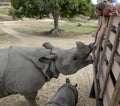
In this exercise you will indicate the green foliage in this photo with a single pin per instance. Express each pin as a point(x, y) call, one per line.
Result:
point(85, 8)
point(70, 8)
point(29, 8)
point(42, 8)
point(92, 15)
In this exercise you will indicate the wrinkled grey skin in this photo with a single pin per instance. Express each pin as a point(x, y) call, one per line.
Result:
point(66, 95)
point(24, 70)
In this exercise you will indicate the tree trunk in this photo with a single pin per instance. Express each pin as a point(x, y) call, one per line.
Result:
point(56, 31)
point(55, 17)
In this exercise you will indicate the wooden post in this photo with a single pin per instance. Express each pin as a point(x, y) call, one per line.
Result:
point(95, 85)
point(110, 61)
point(116, 94)
point(97, 56)
point(107, 34)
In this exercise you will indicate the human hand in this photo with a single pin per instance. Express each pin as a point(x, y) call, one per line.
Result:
point(96, 44)
point(94, 48)
point(116, 9)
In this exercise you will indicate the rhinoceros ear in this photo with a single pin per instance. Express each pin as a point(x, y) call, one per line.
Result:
point(47, 59)
point(48, 45)
point(80, 45)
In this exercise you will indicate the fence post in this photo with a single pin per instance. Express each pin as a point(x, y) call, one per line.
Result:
point(107, 34)
point(111, 61)
point(116, 94)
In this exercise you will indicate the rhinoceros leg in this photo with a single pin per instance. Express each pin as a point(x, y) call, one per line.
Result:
point(31, 98)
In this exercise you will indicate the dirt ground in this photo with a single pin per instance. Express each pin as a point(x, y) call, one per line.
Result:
point(83, 77)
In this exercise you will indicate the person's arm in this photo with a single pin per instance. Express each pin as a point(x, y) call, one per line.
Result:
point(100, 33)
point(98, 27)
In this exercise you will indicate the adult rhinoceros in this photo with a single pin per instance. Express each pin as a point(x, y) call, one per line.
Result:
point(24, 70)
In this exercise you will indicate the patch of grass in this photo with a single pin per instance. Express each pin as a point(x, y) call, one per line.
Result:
point(4, 10)
point(33, 29)
point(84, 28)
point(67, 26)
point(5, 18)
point(4, 13)
point(2, 34)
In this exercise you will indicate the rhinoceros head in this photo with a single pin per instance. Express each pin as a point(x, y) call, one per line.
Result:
point(70, 61)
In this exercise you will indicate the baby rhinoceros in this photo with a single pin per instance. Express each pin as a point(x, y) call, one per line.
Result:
point(67, 95)
point(25, 70)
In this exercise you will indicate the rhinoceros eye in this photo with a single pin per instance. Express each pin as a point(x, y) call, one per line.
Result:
point(75, 58)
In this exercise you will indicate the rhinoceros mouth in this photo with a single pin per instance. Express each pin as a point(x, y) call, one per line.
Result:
point(89, 59)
